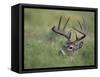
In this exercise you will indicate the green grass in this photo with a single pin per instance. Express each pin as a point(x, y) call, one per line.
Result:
point(41, 45)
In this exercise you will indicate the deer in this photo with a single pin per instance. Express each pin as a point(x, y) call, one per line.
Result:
point(70, 46)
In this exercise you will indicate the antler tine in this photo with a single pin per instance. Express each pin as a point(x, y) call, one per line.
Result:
point(84, 24)
point(66, 23)
point(59, 31)
point(78, 39)
point(76, 36)
point(81, 26)
point(59, 22)
point(69, 35)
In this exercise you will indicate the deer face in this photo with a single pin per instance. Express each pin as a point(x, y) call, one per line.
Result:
point(70, 46)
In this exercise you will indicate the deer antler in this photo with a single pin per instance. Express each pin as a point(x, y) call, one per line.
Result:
point(83, 27)
point(61, 32)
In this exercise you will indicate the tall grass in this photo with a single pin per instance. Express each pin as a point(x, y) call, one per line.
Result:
point(41, 45)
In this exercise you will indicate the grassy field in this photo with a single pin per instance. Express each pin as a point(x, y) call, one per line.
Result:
point(41, 45)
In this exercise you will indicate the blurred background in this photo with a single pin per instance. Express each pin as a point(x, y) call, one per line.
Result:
point(41, 45)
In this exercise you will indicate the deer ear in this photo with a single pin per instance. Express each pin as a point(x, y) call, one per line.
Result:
point(80, 44)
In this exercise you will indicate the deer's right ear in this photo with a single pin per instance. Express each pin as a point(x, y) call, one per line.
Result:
point(80, 44)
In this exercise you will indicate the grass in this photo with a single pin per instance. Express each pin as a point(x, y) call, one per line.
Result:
point(41, 45)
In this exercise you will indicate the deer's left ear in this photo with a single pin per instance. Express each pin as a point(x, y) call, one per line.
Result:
point(80, 44)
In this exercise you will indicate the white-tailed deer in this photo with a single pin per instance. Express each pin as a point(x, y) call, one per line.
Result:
point(71, 47)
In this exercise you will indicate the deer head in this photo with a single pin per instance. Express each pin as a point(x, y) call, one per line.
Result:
point(71, 46)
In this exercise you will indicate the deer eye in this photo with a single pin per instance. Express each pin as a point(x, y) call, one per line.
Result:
point(70, 47)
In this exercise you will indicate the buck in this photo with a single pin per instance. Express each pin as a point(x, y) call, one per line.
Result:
point(71, 47)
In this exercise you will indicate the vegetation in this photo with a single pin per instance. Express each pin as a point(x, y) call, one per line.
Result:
point(41, 45)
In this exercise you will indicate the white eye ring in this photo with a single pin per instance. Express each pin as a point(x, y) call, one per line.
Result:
point(70, 48)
